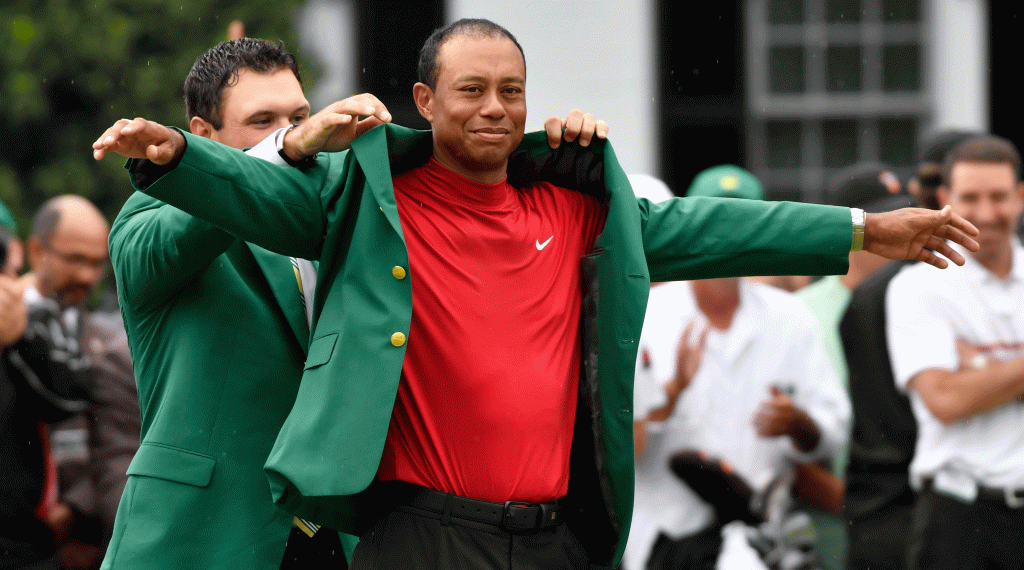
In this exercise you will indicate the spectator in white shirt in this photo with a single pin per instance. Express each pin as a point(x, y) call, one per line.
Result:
point(733, 368)
point(957, 347)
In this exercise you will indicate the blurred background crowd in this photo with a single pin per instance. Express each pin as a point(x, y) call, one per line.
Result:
point(770, 427)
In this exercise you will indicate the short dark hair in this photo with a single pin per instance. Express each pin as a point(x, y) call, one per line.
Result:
point(218, 68)
point(428, 68)
point(989, 149)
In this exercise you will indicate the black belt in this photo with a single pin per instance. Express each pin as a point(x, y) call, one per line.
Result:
point(1012, 498)
point(510, 515)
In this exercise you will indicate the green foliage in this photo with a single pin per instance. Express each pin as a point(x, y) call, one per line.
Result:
point(70, 68)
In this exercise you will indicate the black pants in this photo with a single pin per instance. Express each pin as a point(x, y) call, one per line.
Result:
point(879, 541)
point(413, 542)
point(322, 550)
point(948, 533)
point(695, 552)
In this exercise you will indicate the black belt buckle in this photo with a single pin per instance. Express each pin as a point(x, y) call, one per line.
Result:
point(520, 515)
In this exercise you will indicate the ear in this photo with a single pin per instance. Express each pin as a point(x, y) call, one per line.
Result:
point(942, 195)
point(1020, 190)
point(15, 257)
point(35, 252)
point(423, 95)
point(200, 127)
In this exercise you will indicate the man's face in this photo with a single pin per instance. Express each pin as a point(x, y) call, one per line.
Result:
point(256, 105)
point(989, 196)
point(73, 261)
point(478, 110)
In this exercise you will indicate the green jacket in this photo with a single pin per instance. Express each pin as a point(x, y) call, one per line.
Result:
point(219, 337)
point(342, 211)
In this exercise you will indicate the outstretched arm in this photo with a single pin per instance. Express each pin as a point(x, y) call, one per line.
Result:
point(332, 129)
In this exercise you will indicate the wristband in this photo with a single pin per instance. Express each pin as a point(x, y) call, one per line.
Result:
point(859, 219)
point(304, 162)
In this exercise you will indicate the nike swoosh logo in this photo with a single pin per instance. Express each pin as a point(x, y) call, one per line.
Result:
point(541, 246)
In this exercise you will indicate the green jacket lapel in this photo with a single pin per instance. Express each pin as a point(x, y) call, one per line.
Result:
point(384, 152)
point(281, 278)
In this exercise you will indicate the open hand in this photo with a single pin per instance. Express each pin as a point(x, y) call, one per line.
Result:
point(688, 358)
point(140, 138)
point(576, 125)
point(335, 127)
point(918, 233)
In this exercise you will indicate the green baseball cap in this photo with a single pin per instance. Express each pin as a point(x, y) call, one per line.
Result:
point(726, 181)
point(7, 219)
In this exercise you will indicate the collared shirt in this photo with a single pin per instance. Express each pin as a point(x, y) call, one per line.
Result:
point(928, 311)
point(773, 339)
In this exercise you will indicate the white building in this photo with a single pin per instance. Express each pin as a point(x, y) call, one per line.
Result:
point(791, 89)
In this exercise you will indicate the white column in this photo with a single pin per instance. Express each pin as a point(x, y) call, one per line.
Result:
point(958, 64)
point(596, 55)
point(327, 31)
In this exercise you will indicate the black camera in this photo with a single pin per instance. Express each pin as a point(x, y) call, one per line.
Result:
point(52, 362)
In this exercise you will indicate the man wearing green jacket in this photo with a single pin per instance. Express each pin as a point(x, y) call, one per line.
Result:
point(513, 249)
point(219, 335)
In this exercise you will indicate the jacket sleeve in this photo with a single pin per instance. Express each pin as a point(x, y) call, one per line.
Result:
point(279, 208)
point(157, 249)
point(703, 238)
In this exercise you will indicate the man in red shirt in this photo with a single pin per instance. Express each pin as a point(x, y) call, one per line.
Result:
point(486, 402)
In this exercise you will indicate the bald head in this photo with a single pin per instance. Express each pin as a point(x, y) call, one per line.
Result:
point(76, 210)
point(68, 248)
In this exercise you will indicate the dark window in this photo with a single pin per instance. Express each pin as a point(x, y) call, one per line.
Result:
point(842, 11)
point(783, 141)
point(786, 69)
point(901, 10)
point(901, 67)
point(786, 11)
point(839, 142)
point(844, 65)
point(896, 138)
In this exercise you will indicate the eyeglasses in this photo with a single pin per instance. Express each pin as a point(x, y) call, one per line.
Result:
point(79, 261)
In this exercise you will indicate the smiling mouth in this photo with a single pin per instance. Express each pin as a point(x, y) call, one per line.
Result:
point(491, 134)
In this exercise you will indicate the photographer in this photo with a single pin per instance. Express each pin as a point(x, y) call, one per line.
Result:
point(28, 501)
point(60, 368)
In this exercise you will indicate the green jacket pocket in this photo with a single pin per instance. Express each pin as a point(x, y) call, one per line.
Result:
point(172, 464)
point(320, 350)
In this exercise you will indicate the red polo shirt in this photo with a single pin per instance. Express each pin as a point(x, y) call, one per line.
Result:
point(487, 400)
